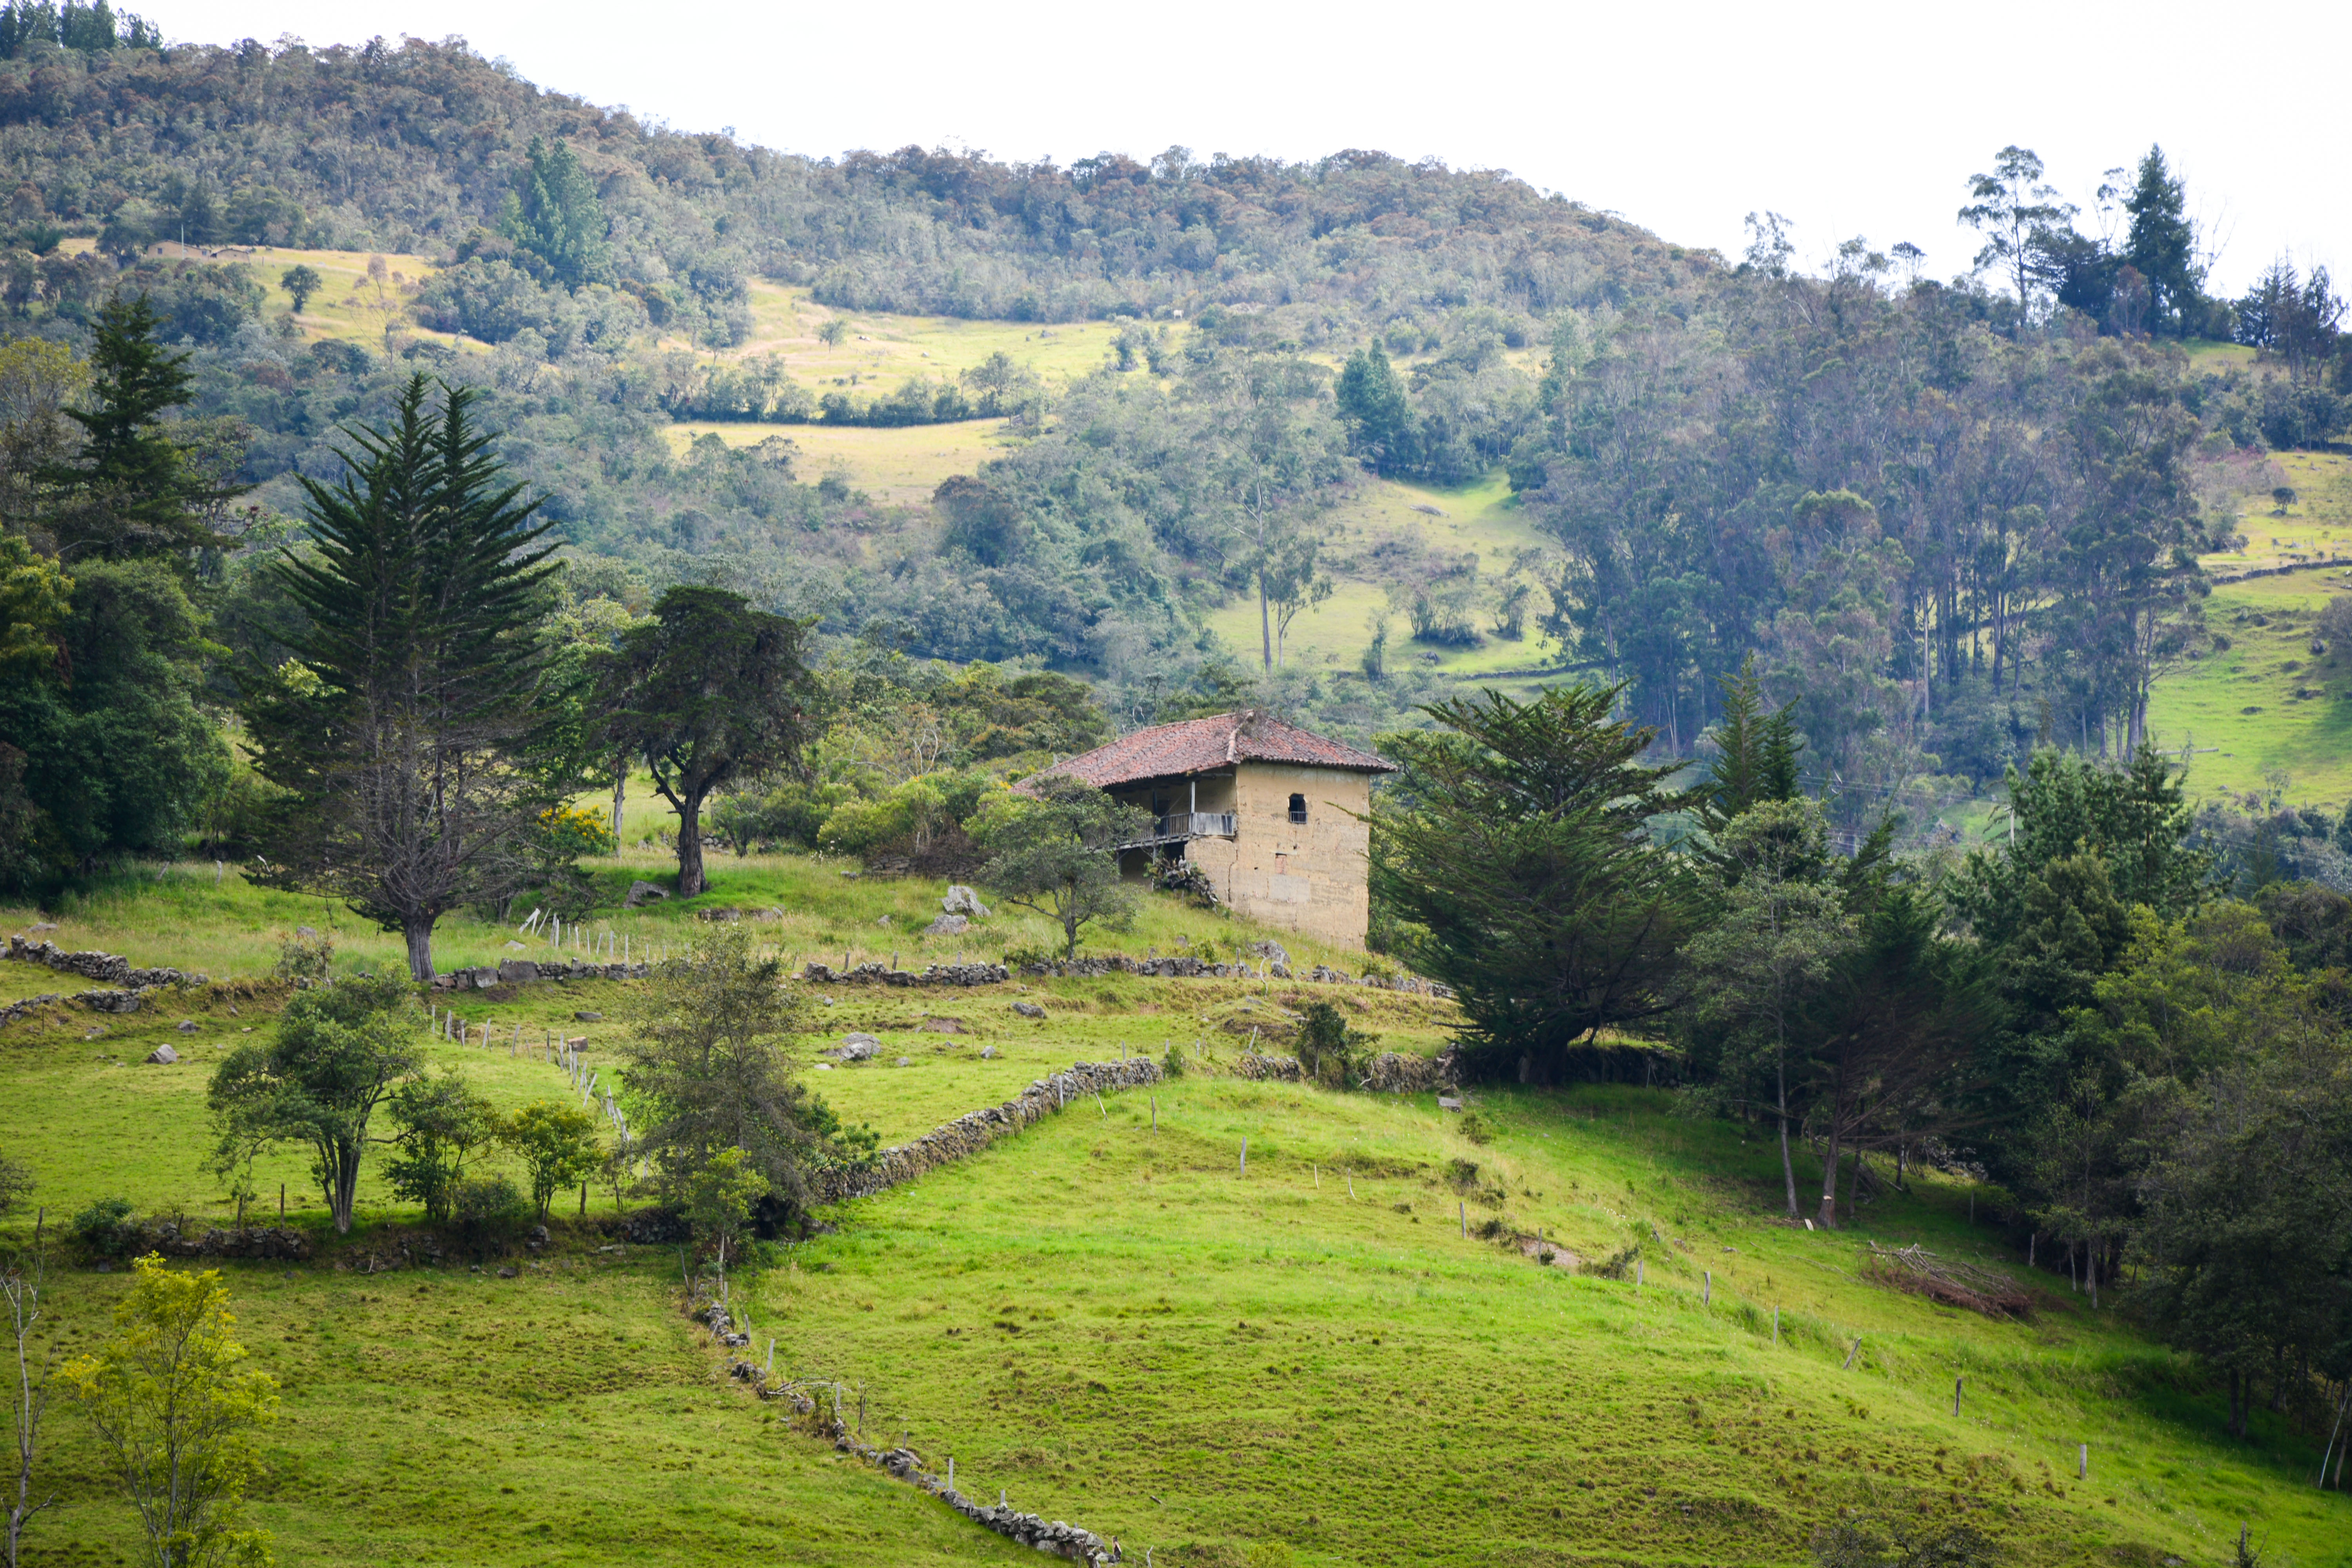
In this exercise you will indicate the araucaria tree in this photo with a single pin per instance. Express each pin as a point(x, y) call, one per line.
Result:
point(1519, 845)
point(409, 727)
point(1055, 849)
point(709, 689)
point(338, 1051)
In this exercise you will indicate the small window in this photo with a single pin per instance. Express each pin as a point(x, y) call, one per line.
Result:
point(1297, 809)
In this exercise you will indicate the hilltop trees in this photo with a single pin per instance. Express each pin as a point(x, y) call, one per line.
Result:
point(406, 728)
point(709, 690)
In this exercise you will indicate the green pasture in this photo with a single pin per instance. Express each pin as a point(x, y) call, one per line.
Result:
point(2267, 703)
point(883, 349)
point(1120, 1326)
point(2316, 526)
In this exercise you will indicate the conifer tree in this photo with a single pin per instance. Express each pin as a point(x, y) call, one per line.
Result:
point(409, 725)
point(553, 212)
point(130, 490)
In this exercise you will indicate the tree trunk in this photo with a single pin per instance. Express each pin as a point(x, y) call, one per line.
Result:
point(418, 930)
point(1264, 631)
point(690, 881)
point(1788, 1166)
point(1827, 1218)
point(342, 1182)
point(620, 792)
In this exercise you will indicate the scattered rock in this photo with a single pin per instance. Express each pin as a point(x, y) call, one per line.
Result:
point(948, 925)
point(514, 947)
point(1447, 1102)
point(857, 1048)
point(1273, 951)
point(1279, 971)
point(947, 1026)
point(905, 1063)
point(163, 1056)
point(643, 893)
point(587, 1017)
point(724, 915)
point(1029, 1009)
point(963, 900)
point(987, 1052)
point(309, 933)
point(45, 925)
point(187, 1025)
point(824, 1066)
point(509, 1273)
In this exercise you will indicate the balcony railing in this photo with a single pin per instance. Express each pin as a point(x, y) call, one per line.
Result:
point(1178, 825)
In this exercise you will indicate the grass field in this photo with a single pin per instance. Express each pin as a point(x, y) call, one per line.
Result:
point(1117, 1324)
point(901, 467)
point(2267, 704)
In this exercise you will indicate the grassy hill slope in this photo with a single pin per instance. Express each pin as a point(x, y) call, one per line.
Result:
point(1120, 1327)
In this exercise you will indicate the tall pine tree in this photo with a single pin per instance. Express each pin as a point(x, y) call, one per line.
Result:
point(409, 726)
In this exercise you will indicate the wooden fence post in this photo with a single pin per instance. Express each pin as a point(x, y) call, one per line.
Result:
point(1956, 1395)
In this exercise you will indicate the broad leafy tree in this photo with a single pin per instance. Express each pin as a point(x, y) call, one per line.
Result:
point(410, 728)
point(707, 692)
point(557, 1145)
point(443, 1121)
point(337, 1052)
point(1055, 849)
point(177, 1410)
point(1520, 847)
point(704, 1072)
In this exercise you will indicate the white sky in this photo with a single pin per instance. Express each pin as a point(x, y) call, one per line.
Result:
point(1849, 119)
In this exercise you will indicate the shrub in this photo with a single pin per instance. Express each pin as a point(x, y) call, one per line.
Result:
point(306, 958)
point(1173, 1063)
point(106, 1228)
point(489, 1211)
point(1475, 1129)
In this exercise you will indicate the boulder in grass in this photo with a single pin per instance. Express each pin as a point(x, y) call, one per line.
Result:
point(1447, 1102)
point(963, 900)
point(1029, 1009)
point(164, 1056)
point(948, 925)
point(186, 1025)
point(857, 1048)
point(644, 894)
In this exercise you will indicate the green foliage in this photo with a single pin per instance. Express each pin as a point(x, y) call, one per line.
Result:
point(130, 490)
point(412, 747)
point(1520, 847)
point(1330, 1050)
point(443, 1120)
point(554, 215)
point(719, 1200)
point(557, 1145)
point(706, 1072)
point(119, 759)
point(1055, 849)
point(1372, 402)
point(336, 1053)
point(488, 1211)
point(709, 690)
point(107, 1228)
point(301, 280)
point(176, 1411)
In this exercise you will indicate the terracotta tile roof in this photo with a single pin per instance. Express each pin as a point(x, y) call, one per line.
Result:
point(1201, 745)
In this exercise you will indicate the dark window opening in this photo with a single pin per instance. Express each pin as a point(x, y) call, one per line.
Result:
point(1297, 809)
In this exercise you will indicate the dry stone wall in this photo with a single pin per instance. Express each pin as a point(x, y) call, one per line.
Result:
point(878, 973)
point(970, 1133)
point(124, 985)
point(1053, 1537)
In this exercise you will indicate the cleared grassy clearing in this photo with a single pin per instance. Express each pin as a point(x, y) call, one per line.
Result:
point(901, 467)
point(2318, 525)
point(887, 349)
point(2267, 703)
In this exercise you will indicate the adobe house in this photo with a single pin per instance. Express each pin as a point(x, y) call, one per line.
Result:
point(1272, 813)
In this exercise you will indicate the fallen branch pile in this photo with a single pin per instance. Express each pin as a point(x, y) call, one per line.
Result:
point(1948, 1280)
